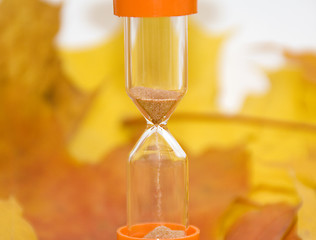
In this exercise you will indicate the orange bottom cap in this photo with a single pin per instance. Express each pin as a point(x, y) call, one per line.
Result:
point(137, 232)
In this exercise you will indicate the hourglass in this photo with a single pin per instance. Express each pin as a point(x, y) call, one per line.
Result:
point(156, 80)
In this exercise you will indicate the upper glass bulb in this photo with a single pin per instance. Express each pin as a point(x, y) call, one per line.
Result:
point(156, 64)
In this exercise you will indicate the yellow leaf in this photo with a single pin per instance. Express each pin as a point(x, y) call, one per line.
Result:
point(102, 129)
point(198, 134)
point(279, 145)
point(267, 222)
point(284, 98)
point(99, 69)
point(272, 184)
point(89, 68)
point(233, 213)
point(306, 224)
point(203, 53)
point(12, 224)
point(305, 171)
point(306, 61)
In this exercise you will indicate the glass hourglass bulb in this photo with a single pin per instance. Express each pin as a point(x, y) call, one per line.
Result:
point(156, 80)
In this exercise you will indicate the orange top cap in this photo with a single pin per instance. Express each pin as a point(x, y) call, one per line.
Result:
point(154, 8)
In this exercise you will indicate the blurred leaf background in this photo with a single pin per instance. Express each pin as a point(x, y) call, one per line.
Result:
point(67, 126)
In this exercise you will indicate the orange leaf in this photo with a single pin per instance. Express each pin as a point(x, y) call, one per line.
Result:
point(271, 222)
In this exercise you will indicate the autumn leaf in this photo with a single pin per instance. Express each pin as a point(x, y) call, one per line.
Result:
point(306, 226)
point(269, 222)
point(272, 184)
point(292, 234)
point(12, 224)
point(91, 67)
point(218, 177)
point(101, 130)
point(99, 70)
point(31, 71)
point(203, 53)
point(197, 132)
point(306, 61)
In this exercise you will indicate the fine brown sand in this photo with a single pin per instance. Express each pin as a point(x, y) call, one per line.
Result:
point(163, 232)
point(155, 104)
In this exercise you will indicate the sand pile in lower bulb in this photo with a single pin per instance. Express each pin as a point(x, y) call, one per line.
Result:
point(156, 104)
point(163, 232)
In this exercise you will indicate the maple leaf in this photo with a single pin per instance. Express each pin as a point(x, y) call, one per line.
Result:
point(269, 222)
point(12, 223)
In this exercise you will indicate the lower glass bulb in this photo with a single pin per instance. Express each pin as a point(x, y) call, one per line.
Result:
point(157, 180)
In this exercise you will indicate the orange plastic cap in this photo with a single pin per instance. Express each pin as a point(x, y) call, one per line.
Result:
point(137, 232)
point(154, 8)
